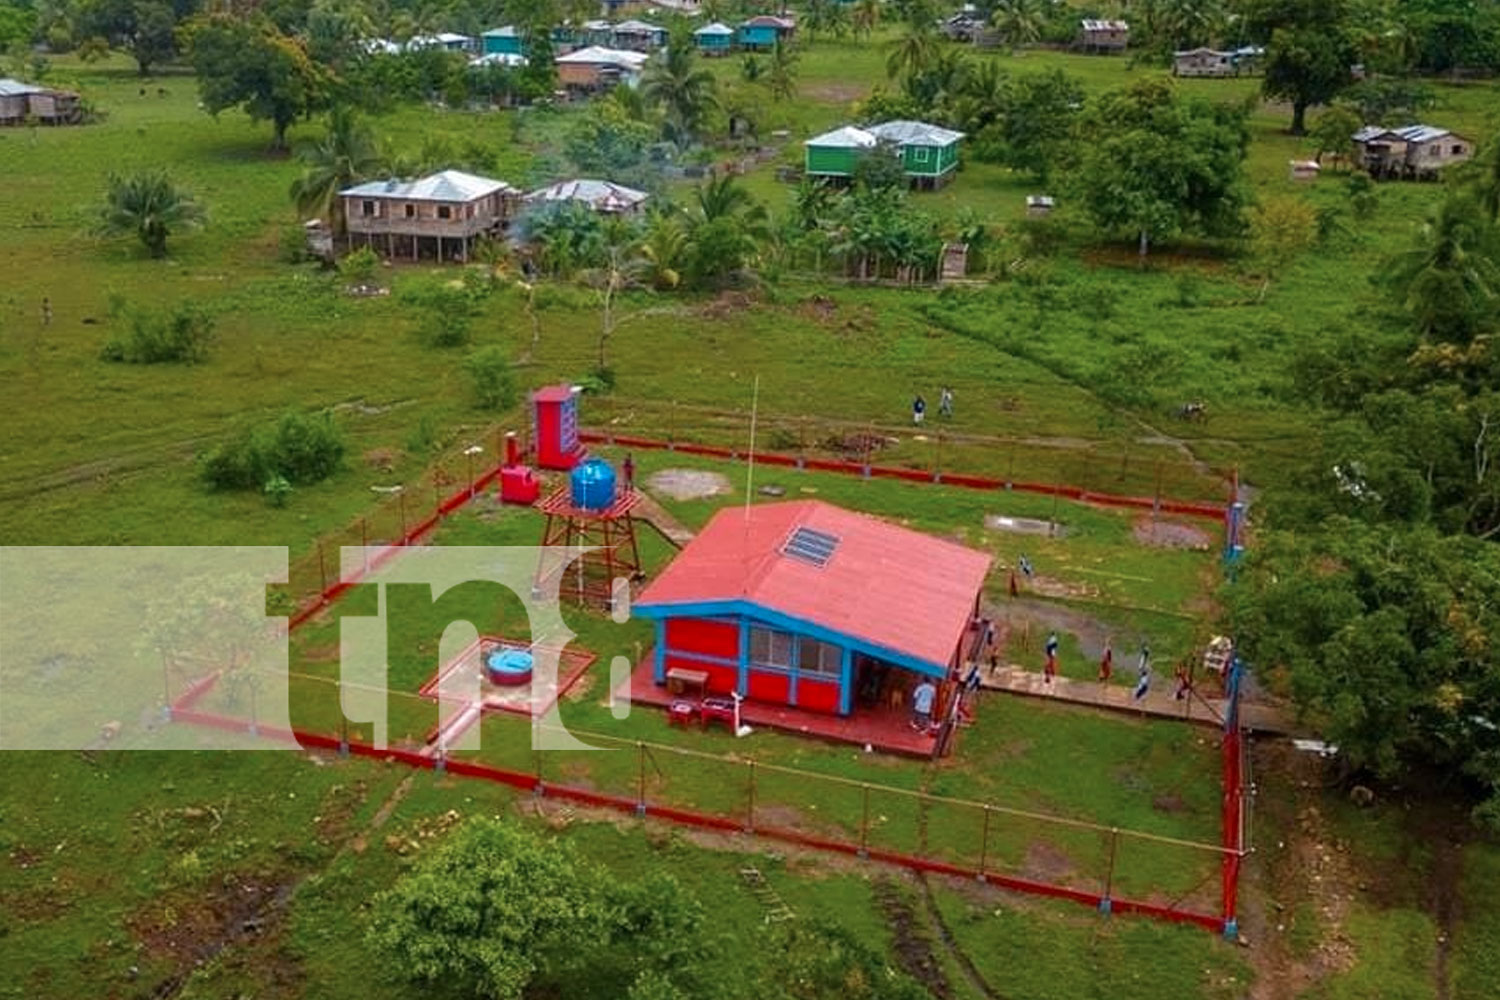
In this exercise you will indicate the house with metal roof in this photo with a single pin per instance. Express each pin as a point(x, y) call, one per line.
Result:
point(1204, 61)
point(714, 39)
point(1107, 36)
point(510, 60)
point(825, 610)
point(440, 216)
point(504, 40)
point(1411, 152)
point(22, 102)
point(760, 34)
point(929, 153)
point(446, 40)
point(638, 36)
point(601, 196)
point(835, 154)
point(597, 68)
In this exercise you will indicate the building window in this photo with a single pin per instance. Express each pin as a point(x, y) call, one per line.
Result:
point(921, 154)
point(769, 648)
point(1458, 150)
point(820, 658)
point(367, 208)
point(411, 211)
point(444, 212)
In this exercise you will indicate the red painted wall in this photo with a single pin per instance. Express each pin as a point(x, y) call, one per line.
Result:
point(701, 635)
point(818, 696)
point(772, 687)
point(721, 678)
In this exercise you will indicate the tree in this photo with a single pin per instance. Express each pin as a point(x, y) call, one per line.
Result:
point(147, 29)
point(728, 225)
point(1281, 227)
point(866, 17)
point(1309, 53)
point(1158, 165)
point(150, 206)
point(1450, 281)
point(251, 64)
point(623, 267)
point(487, 910)
point(911, 53)
point(1034, 128)
point(781, 75)
point(1483, 172)
point(1019, 22)
point(345, 155)
point(1333, 131)
point(494, 381)
point(685, 90)
point(1383, 635)
point(605, 141)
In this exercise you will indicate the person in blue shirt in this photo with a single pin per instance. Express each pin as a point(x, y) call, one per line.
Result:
point(1050, 670)
point(921, 706)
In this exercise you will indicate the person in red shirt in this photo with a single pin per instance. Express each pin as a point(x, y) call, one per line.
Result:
point(1106, 662)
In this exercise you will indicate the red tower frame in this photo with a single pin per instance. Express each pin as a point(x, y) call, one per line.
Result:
point(608, 533)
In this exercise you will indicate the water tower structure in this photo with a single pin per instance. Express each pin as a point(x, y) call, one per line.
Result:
point(591, 512)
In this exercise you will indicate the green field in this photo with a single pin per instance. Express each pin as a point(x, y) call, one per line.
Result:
point(124, 873)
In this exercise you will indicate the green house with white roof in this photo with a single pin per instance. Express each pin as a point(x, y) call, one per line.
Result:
point(929, 153)
point(835, 154)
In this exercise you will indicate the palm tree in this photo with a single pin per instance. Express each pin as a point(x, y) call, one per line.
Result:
point(781, 78)
point(149, 205)
point(1484, 173)
point(911, 53)
point(344, 156)
point(1451, 279)
point(866, 17)
point(1019, 22)
point(664, 249)
point(684, 90)
point(728, 226)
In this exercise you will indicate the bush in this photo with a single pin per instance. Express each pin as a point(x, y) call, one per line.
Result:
point(299, 448)
point(181, 336)
point(358, 267)
point(494, 382)
point(445, 313)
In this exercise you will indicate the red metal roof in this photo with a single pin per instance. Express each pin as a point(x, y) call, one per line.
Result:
point(552, 393)
point(884, 584)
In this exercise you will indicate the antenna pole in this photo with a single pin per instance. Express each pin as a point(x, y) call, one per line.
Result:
point(750, 455)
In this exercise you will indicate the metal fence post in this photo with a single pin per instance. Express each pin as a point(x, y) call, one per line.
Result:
point(984, 845)
point(864, 824)
point(401, 496)
point(364, 543)
point(1106, 903)
point(937, 460)
point(750, 800)
point(343, 736)
point(536, 766)
point(640, 794)
point(322, 574)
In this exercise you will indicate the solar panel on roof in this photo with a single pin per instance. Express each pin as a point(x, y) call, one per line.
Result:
point(811, 546)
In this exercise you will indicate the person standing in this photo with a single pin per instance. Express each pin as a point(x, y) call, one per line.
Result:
point(1142, 681)
point(945, 402)
point(921, 705)
point(46, 311)
point(1050, 670)
point(918, 410)
point(628, 467)
point(1106, 662)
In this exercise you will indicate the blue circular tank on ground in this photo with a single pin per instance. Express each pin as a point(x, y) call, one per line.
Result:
point(592, 484)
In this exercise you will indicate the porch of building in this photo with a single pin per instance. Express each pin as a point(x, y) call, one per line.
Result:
point(885, 727)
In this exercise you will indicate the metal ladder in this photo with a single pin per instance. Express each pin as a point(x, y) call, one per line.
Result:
point(776, 908)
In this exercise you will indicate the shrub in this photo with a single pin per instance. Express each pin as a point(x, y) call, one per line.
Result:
point(494, 382)
point(299, 448)
point(358, 267)
point(181, 336)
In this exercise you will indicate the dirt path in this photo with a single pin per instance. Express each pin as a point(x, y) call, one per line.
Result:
point(656, 515)
point(914, 951)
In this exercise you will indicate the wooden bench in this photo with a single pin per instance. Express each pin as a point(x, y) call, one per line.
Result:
point(681, 680)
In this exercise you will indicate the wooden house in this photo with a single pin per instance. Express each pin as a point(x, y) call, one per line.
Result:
point(502, 41)
point(1039, 206)
point(599, 68)
point(835, 154)
point(604, 197)
point(965, 26)
point(714, 39)
point(439, 216)
point(1203, 62)
point(26, 102)
point(1103, 36)
point(1304, 170)
point(638, 36)
point(760, 34)
point(1410, 152)
point(929, 153)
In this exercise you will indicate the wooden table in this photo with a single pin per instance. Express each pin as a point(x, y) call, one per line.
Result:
point(680, 680)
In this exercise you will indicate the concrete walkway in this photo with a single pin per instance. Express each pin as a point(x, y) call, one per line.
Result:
point(657, 516)
point(1158, 702)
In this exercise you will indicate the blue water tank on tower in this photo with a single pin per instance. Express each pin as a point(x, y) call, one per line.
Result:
point(592, 484)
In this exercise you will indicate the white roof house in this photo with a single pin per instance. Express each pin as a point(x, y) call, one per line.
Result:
point(905, 133)
point(15, 88)
point(445, 185)
point(848, 137)
point(638, 28)
point(507, 31)
point(716, 28)
point(601, 196)
point(1406, 133)
point(1091, 24)
point(498, 59)
point(383, 46)
point(598, 55)
point(441, 40)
